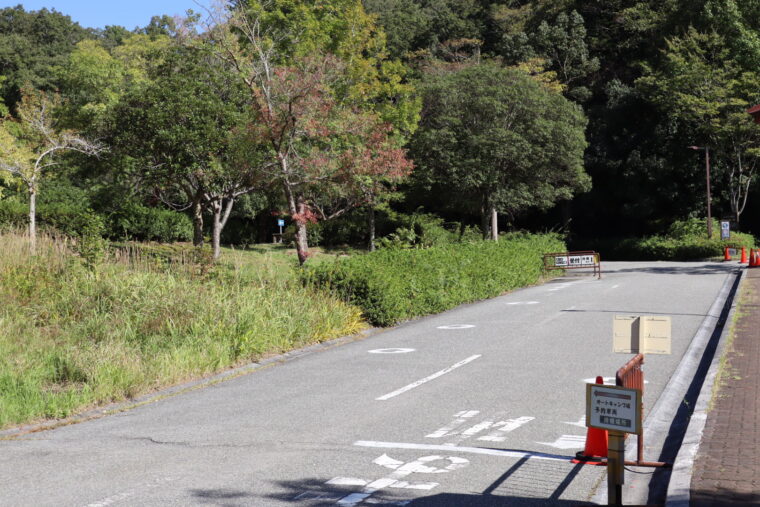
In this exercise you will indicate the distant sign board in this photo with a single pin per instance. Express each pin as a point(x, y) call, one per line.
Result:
point(613, 408)
point(573, 260)
point(648, 334)
point(281, 222)
point(725, 229)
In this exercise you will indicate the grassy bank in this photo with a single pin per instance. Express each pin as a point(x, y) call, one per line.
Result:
point(73, 337)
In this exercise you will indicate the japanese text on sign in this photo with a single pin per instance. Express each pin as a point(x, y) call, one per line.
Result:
point(613, 408)
point(575, 261)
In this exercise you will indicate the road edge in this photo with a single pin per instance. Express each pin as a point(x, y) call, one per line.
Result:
point(659, 421)
point(679, 487)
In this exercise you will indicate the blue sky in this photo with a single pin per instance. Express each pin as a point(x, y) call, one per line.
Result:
point(99, 13)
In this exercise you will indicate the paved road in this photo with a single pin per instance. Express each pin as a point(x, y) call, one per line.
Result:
point(481, 405)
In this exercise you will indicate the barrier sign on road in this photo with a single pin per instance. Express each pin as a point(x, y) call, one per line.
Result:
point(613, 408)
point(573, 260)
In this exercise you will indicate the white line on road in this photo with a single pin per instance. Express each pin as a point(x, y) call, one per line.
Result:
point(523, 303)
point(467, 450)
point(427, 379)
point(461, 418)
point(457, 326)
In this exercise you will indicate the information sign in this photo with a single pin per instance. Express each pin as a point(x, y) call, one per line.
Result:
point(575, 261)
point(725, 229)
point(613, 408)
point(281, 222)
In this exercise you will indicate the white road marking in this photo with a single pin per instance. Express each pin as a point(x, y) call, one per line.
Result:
point(402, 470)
point(567, 442)
point(524, 303)
point(457, 326)
point(615, 286)
point(581, 423)
point(391, 351)
point(130, 493)
point(347, 481)
point(505, 427)
point(560, 286)
point(461, 418)
point(428, 378)
point(466, 450)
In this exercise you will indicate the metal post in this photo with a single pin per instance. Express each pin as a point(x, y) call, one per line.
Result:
point(709, 214)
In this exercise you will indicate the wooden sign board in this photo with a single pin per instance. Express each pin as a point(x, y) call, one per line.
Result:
point(648, 334)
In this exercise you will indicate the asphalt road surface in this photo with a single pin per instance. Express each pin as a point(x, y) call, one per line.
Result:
point(482, 405)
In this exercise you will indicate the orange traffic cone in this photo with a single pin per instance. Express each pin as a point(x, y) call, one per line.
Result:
point(726, 254)
point(596, 445)
point(744, 256)
point(751, 258)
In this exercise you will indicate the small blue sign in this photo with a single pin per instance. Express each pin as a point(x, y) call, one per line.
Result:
point(280, 222)
point(725, 230)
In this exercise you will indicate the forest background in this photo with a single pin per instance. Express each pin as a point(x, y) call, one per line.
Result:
point(186, 151)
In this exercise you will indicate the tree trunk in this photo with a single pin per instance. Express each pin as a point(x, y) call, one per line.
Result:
point(197, 222)
point(494, 224)
point(32, 219)
point(484, 222)
point(216, 230)
point(371, 224)
point(302, 242)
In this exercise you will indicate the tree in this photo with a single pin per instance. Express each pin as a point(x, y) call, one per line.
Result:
point(309, 88)
point(704, 92)
point(32, 145)
point(183, 129)
point(494, 140)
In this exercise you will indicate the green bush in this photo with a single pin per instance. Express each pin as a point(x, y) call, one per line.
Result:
point(685, 240)
point(392, 285)
point(13, 213)
point(136, 221)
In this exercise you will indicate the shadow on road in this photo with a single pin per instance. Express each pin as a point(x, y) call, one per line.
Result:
point(526, 483)
point(697, 269)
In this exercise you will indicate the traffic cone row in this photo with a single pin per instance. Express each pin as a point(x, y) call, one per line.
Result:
point(595, 450)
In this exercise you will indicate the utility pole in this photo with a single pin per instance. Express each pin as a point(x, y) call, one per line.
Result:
point(707, 176)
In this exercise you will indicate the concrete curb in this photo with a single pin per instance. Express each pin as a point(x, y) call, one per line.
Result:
point(679, 487)
point(659, 420)
point(184, 387)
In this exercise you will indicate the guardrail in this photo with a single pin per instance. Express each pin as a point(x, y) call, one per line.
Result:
point(574, 260)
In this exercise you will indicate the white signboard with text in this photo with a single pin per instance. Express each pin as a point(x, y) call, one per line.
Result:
point(613, 408)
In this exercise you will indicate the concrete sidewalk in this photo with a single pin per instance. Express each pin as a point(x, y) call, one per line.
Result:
point(727, 467)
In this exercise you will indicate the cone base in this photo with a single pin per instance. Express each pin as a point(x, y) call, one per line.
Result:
point(581, 459)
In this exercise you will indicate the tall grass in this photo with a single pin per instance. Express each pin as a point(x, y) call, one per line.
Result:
point(73, 336)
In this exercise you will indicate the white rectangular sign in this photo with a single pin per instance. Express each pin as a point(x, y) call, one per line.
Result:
point(613, 408)
point(575, 261)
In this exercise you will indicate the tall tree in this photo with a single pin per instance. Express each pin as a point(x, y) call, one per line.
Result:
point(183, 129)
point(30, 146)
point(310, 83)
point(495, 140)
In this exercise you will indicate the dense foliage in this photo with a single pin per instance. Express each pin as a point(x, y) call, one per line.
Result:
point(433, 279)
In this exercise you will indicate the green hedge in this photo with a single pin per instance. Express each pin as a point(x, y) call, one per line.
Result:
point(397, 284)
point(684, 241)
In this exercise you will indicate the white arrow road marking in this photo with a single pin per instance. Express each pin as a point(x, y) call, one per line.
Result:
point(567, 442)
point(461, 418)
point(456, 326)
point(402, 470)
point(391, 351)
point(428, 378)
point(503, 427)
point(581, 422)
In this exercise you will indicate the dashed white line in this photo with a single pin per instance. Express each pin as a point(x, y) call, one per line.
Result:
point(428, 378)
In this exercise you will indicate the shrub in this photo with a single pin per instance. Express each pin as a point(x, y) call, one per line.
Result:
point(136, 221)
point(685, 241)
point(434, 279)
point(13, 213)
